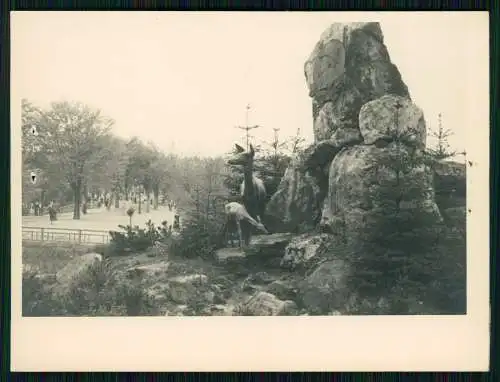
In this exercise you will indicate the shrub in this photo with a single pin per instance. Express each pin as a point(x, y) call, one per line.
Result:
point(200, 237)
point(138, 239)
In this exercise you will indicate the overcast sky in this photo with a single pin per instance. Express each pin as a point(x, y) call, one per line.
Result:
point(183, 80)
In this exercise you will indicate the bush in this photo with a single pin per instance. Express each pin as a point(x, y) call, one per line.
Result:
point(448, 290)
point(383, 281)
point(200, 237)
point(137, 239)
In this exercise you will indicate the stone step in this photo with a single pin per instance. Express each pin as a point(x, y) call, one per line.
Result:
point(267, 245)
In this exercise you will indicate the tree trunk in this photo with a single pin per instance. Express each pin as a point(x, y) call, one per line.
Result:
point(42, 202)
point(77, 192)
point(84, 199)
point(126, 194)
point(148, 197)
point(117, 199)
point(156, 193)
point(140, 202)
point(85, 193)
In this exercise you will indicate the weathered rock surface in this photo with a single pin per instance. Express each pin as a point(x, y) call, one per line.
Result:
point(147, 270)
point(266, 304)
point(348, 67)
point(232, 254)
point(183, 289)
point(77, 267)
point(279, 240)
point(321, 153)
point(296, 203)
point(325, 289)
point(355, 177)
point(303, 250)
point(283, 289)
point(47, 278)
point(392, 117)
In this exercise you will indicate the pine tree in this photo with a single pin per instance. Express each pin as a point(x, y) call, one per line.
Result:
point(442, 148)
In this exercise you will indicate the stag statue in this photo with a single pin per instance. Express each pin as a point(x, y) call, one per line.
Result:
point(238, 217)
point(253, 191)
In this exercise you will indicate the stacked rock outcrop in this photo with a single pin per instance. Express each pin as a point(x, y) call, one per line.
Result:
point(361, 109)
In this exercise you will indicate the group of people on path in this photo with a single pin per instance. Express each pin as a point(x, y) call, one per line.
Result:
point(36, 209)
point(171, 205)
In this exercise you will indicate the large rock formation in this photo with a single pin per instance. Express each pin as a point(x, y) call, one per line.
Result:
point(348, 67)
point(359, 171)
point(362, 114)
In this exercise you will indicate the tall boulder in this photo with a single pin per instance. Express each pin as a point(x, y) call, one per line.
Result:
point(392, 127)
point(349, 66)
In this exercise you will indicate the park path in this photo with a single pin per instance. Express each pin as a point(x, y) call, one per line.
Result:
point(100, 219)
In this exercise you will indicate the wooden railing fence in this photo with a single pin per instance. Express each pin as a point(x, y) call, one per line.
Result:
point(83, 236)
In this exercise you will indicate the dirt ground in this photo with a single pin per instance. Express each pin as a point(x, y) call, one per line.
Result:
point(220, 290)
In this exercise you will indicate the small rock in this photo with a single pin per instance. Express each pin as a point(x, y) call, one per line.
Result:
point(147, 270)
point(262, 277)
point(48, 278)
point(206, 311)
point(221, 310)
point(248, 287)
point(209, 296)
point(225, 255)
point(266, 304)
point(181, 293)
point(271, 240)
point(195, 279)
point(30, 268)
point(219, 299)
point(258, 278)
point(177, 311)
point(282, 290)
point(303, 249)
point(183, 289)
point(325, 289)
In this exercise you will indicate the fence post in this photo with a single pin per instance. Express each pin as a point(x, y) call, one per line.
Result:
point(79, 235)
point(42, 232)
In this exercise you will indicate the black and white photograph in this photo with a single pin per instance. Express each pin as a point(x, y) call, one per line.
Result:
point(180, 164)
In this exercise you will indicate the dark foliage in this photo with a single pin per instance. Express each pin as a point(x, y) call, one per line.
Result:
point(135, 239)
